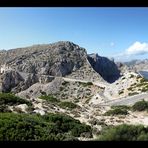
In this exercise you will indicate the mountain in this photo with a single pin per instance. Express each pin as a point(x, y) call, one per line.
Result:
point(66, 94)
point(60, 59)
point(138, 65)
point(105, 67)
point(57, 59)
point(132, 62)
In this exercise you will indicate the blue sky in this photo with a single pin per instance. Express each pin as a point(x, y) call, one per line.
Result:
point(121, 33)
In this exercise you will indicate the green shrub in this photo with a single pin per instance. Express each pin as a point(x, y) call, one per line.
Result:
point(25, 127)
point(86, 84)
point(42, 92)
point(140, 84)
point(65, 83)
point(144, 89)
point(61, 88)
point(143, 80)
point(116, 111)
point(121, 107)
point(49, 98)
point(140, 106)
point(130, 88)
point(11, 99)
point(124, 133)
point(133, 93)
point(87, 101)
point(78, 129)
point(138, 76)
point(89, 83)
point(67, 124)
point(4, 108)
point(68, 105)
point(131, 76)
point(121, 92)
point(123, 78)
point(133, 84)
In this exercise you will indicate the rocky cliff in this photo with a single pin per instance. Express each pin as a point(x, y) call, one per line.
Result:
point(61, 59)
point(58, 59)
point(105, 67)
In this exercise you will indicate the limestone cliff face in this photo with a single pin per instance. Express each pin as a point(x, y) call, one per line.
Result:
point(58, 59)
point(41, 63)
point(9, 80)
point(105, 67)
point(15, 81)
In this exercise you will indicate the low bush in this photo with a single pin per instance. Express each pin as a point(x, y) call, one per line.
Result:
point(86, 84)
point(49, 98)
point(4, 108)
point(89, 83)
point(65, 83)
point(138, 76)
point(116, 111)
point(130, 88)
point(123, 78)
point(145, 88)
point(124, 133)
point(140, 106)
point(68, 105)
point(121, 92)
point(11, 99)
point(50, 127)
point(121, 107)
point(133, 93)
point(131, 76)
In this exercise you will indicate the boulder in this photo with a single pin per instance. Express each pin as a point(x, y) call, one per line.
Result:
point(22, 107)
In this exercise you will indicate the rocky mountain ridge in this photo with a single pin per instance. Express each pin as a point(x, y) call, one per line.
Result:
point(138, 65)
point(61, 59)
point(63, 78)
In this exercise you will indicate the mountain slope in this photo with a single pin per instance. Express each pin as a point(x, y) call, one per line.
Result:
point(105, 67)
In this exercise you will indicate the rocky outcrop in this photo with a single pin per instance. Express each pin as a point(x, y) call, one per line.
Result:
point(39, 89)
point(123, 68)
point(87, 73)
point(42, 63)
point(15, 81)
point(58, 59)
point(105, 67)
point(28, 81)
point(9, 80)
point(22, 107)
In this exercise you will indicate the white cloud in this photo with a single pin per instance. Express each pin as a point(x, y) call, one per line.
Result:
point(112, 44)
point(137, 49)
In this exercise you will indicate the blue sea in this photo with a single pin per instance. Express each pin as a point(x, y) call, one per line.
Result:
point(144, 74)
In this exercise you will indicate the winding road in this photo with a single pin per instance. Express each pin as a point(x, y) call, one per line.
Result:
point(130, 100)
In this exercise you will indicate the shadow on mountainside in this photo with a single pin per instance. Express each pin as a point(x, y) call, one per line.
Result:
point(105, 67)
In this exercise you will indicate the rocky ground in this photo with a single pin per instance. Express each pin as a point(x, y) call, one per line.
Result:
point(79, 85)
point(88, 98)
